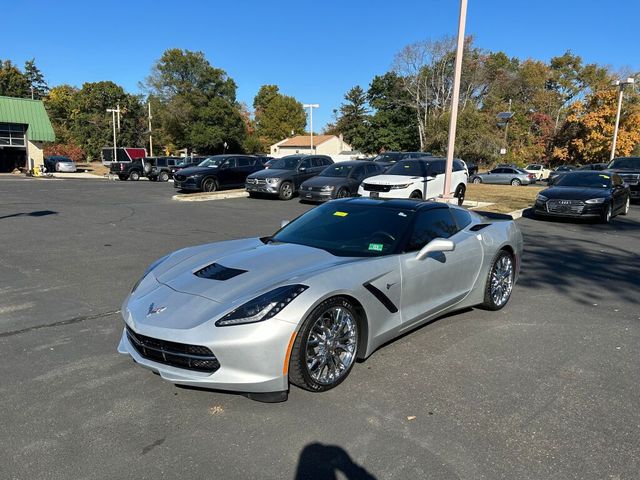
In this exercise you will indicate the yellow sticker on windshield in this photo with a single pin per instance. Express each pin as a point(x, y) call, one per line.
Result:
point(340, 214)
point(605, 176)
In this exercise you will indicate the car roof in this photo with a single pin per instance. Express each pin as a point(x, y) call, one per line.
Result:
point(398, 203)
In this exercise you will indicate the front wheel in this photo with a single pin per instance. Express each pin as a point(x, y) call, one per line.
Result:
point(135, 176)
point(499, 281)
point(607, 214)
point(163, 177)
point(515, 182)
point(477, 180)
point(627, 205)
point(326, 346)
point(416, 194)
point(286, 191)
point(460, 193)
point(209, 185)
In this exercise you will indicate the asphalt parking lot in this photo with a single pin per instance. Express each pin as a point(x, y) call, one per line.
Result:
point(545, 388)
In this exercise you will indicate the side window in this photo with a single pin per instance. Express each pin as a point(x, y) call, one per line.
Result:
point(230, 162)
point(462, 217)
point(162, 162)
point(358, 173)
point(439, 167)
point(430, 224)
point(457, 165)
point(317, 162)
point(305, 163)
point(245, 162)
point(372, 170)
point(498, 170)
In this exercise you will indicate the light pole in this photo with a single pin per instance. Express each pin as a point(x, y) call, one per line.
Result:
point(620, 85)
point(113, 112)
point(455, 99)
point(150, 134)
point(311, 106)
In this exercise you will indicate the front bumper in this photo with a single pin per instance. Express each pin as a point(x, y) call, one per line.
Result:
point(268, 188)
point(589, 211)
point(188, 184)
point(67, 169)
point(315, 196)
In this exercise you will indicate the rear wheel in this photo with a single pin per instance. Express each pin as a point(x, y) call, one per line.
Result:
point(500, 281)
point(415, 194)
point(477, 180)
point(286, 191)
point(163, 177)
point(326, 346)
point(515, 182)
point(135, 176)
point(209, 185)
point(460, 193)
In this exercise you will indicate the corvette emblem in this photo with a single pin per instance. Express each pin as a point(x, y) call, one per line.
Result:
point(153, 309)
point(389, 285)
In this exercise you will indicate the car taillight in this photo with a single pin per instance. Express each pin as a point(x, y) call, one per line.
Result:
point(531, 175)
point(121, 167)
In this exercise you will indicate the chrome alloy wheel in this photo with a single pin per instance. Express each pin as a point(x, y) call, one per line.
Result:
point(331, 345)
point(502, 280)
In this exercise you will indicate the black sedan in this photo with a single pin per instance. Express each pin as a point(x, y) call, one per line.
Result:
point(214, 173)
point(585, 194)
point(338, 181)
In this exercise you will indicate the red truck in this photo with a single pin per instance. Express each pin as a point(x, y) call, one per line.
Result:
point(123, 154)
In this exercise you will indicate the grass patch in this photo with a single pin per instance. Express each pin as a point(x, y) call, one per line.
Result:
point(96, 168)
point(505, 198)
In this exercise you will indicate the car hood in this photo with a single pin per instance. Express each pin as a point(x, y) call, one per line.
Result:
point(188, 171)
point(272, 173)
point(574, 193)
point(325, 181)
point(264, 266)
point(391, 179)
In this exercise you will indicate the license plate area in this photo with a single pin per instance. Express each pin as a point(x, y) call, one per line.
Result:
point(374, 194)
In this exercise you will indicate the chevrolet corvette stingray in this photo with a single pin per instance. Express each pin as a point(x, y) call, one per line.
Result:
point(330, 287)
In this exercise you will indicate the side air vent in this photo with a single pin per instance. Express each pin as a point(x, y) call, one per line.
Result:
point(479, 227)
point(216, 271)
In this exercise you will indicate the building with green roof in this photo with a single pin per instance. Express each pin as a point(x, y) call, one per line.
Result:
point(24, 128)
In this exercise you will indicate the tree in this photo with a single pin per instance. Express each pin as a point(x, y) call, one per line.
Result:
point(13, 83)
point(195, 103)
point(60, 105)
point(37, 83)
point(353, 118)
point(277, 116)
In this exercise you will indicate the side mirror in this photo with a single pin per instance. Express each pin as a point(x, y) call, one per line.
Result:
point(429, 178)
point(436, 245)
point(302, 169)
point(284, 223)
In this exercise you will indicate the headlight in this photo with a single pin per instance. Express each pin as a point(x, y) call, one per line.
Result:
point(400, 187)
point(149, 269)
point(263, 307)
point(595, 200)
point(328, 188)
point(273, 180)
point(541, 198)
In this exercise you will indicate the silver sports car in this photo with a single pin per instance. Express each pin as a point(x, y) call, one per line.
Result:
point(302, 305)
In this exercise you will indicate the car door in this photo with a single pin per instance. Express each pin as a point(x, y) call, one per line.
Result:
point(618, 192)
point(305, 171)
point(245, 167)
point(355, 178)
point(441, 279)
point(435, 186)
point(497, 176)
point(226, 172)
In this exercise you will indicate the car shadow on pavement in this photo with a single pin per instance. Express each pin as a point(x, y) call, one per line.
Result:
point(38, 213)
point(583, 265)
point(323, 462)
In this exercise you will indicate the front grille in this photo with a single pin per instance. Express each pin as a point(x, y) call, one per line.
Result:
point(630, 178)
point(190, 357)
point(256, 181)
point(371, 187)
point(180, 178)
point(565, 206)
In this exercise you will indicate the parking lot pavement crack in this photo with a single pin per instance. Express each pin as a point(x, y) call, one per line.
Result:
point(69, 321)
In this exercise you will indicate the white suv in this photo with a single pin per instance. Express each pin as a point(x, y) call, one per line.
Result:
point(417, 178)
point(540, 171)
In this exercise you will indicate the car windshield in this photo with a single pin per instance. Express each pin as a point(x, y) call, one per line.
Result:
point(631, 163)
point(589, 180)
point(411, 168)
point(285, 163)
point(212, 162)
point(337, 171)
point(564, 168)
point(387, 158)
point(533, 167)
point(348, 230)
point(183, 164)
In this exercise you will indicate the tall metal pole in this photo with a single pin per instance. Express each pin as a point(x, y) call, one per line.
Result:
point(150, 134)
point(113, 117)
point(455, 99)
point(615, 129)
point(311, 106)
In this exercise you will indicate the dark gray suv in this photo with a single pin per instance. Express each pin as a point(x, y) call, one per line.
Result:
point(284, 175)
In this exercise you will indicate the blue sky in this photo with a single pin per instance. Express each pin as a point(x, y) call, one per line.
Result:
point(314, 51)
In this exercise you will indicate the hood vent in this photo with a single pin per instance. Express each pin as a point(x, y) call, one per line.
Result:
point(216, 271)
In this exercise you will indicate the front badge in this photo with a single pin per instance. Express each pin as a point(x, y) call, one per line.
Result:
point(153, 310)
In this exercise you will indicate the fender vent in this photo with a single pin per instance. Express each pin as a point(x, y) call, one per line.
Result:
point(215, 271)
point(479, 227)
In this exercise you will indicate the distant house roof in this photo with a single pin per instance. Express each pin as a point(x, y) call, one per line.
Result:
point(304, 141)
point(28, 112)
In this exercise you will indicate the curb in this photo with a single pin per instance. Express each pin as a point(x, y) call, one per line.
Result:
point(207, 197)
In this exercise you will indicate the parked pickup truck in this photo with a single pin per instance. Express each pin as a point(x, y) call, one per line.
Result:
point(154, 168)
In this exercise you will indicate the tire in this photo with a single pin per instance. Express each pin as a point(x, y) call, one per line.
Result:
point(57, 167)
point(515, 182)
point(122, 177)
point(415, 194)
point(493, 299)
point(627, 206)
point(209, 185)
point(336, 311)
point(477, 180)
point(607, 215)
point(253, 195)
point(343, 193)
point(460, 193)
point(163, 177)
point(286, 191)
point(135, 176)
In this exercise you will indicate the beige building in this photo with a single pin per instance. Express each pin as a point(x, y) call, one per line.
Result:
point(322, 145)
